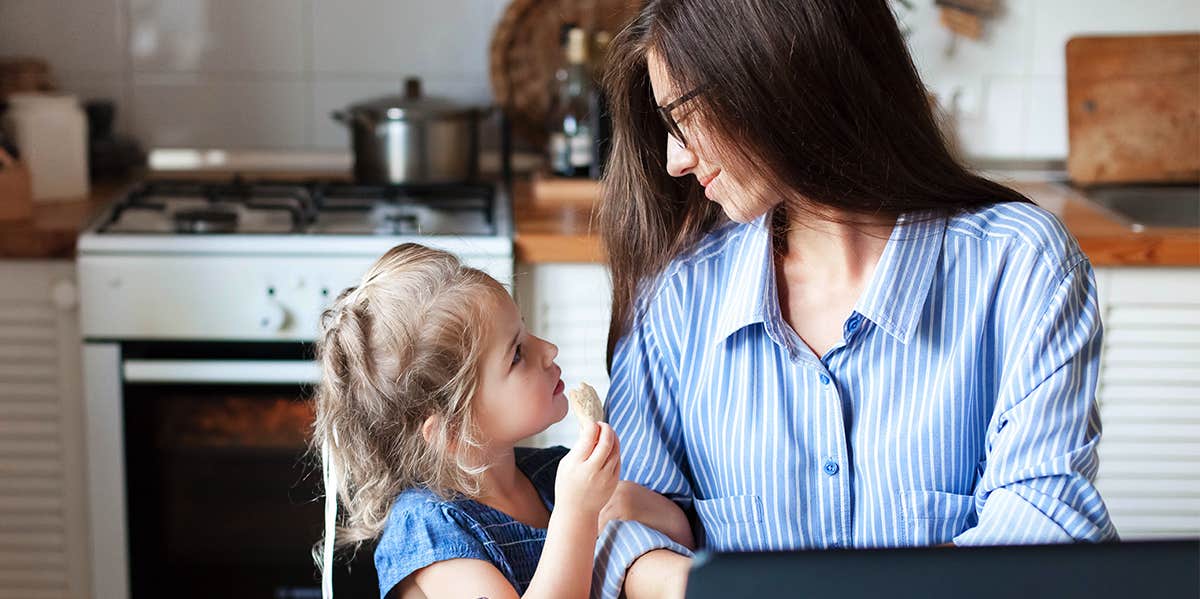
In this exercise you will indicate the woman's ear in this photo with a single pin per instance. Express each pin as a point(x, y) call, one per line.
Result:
point(427, 427)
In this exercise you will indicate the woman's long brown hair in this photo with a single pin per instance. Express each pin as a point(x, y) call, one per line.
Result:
point(819, 98)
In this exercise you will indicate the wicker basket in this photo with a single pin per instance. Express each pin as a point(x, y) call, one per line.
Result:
point(526, 50)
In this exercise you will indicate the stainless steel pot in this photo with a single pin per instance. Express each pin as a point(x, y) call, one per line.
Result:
point(413, 139)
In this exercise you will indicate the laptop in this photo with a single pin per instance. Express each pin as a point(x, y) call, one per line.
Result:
point(1139, 570)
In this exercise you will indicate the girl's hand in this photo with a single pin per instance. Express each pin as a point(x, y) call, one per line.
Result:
point(587, 475)
point(632, 501)
point(660, 574)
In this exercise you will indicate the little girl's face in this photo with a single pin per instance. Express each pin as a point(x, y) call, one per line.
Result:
point(520, 390)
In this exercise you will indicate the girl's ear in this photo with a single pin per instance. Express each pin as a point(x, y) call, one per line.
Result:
point(428, 426)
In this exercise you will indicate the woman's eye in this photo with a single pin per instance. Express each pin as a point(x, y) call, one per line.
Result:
point(517, 354)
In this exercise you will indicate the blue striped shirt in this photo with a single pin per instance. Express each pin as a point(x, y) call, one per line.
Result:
point(958, 406)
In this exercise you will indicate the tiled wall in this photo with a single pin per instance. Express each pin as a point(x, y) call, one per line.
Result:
point(266, 73)
point(1011, 85)
point(252, 73)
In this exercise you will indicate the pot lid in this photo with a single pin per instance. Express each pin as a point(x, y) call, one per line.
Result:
point(412, 104)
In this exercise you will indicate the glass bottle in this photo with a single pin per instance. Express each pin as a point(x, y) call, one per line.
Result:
point(571, 136)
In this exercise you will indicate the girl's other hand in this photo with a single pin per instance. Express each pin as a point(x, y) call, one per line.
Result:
point(632, 501)
point(587, 475)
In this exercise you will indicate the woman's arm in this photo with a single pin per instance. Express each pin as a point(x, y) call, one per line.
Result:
point(643, 411)
point(1041, 447)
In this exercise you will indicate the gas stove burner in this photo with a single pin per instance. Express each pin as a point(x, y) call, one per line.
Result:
point(208, 220)
point(398, 224)
point(310, 208)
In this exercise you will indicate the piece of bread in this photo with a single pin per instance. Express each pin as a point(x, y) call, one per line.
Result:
point(586, 404)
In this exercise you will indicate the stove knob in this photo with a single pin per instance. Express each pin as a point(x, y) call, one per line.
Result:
point(272, 317)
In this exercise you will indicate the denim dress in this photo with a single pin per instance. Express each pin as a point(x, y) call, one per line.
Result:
point(424, 529)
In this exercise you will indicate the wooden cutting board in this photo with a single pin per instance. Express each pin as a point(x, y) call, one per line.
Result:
point(1134, 108)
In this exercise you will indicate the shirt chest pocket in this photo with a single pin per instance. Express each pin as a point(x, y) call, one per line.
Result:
point(731, 521)
point(935, 517)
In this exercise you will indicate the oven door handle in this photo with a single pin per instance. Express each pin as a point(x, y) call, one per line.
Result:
point(252, 372)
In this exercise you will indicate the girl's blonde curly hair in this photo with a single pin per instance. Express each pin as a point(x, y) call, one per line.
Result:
point(403, 345)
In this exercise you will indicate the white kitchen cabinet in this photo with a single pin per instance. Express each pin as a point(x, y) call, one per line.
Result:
point(43, 528)
point(1149, 397)
point(568, 305)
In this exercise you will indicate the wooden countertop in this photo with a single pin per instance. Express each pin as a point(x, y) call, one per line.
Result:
point(51, 232)
point(567, 232)
point(547, 232)
point(1107, 241)
point(553, 232)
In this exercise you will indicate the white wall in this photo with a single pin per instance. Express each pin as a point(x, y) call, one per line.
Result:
point(266, 73)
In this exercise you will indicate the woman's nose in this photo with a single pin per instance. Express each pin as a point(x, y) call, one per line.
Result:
point(680, 160)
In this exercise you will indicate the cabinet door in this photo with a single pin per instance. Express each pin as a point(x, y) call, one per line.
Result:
point(43, 538)
point(1149, 397)
point(569, 306)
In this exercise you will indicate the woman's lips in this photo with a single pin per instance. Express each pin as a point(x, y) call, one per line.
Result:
point(704, 181)
point(559, 387)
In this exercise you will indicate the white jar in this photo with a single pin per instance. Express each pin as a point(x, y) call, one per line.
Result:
point(51, 133)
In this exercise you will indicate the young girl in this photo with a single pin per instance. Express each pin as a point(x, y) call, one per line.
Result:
point(429, 379)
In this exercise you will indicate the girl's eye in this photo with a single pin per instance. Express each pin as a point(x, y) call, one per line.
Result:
point(517, 354)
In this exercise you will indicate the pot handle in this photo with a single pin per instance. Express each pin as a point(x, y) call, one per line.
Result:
point(349, 118)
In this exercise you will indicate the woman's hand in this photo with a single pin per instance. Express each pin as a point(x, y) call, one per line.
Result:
point(631, 501)
point(587, 475)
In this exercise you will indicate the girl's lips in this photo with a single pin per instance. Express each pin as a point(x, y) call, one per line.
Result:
point(708, 179)
point(559, 387)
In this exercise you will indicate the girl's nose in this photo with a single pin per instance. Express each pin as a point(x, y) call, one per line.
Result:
point(551, 352)
point(680, 160)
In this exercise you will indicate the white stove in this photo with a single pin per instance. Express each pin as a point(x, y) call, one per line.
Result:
point(258, 261)
point(202, 297)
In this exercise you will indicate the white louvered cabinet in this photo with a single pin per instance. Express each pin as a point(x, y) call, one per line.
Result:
point(568, 304)
point(43, 531)
point(1149, 397)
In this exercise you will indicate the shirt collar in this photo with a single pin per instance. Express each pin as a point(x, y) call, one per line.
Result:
point(751, 283)
point(899, 289)
point(893, 300)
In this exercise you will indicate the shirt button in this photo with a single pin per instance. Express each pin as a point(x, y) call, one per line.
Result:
point(824, 379)
point(831, 468)
point(854, 324)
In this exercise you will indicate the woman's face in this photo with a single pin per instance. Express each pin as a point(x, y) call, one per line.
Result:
point(742, 197)
point(520, 390)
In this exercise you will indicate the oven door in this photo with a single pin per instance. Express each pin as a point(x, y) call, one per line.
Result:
point(223, 497)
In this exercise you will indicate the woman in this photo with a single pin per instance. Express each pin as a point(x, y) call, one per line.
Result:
point(826, 332)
